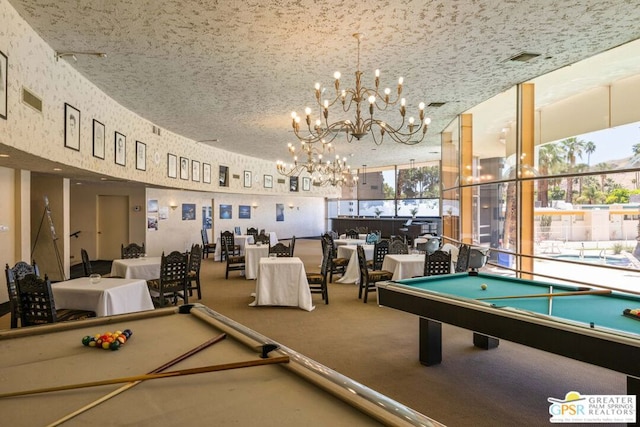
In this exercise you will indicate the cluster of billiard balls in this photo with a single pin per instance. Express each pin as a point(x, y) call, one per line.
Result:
point(108, 340)
point(632, 313)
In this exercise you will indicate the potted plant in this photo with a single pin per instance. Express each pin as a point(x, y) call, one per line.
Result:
point(378, 212)
point(414, 212)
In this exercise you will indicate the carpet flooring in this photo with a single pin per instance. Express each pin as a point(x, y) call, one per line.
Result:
point(378, 347)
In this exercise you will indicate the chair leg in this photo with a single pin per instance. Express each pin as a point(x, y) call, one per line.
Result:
point(198, 288)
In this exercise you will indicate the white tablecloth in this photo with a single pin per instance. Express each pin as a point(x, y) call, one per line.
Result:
point(282, 281)
point(352, 272)
point(361, 236)
point(107, 297)
point(404, 266)
point(146, 268)
point(252, 254)
point(356, 242)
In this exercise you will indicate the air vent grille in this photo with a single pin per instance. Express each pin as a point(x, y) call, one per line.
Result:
point(31, 100)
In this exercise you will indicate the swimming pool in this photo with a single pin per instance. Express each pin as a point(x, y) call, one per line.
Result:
point(616, 260)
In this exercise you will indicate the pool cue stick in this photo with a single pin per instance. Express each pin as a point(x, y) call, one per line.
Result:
point(145, 377)
point(550, 300)
point(558, 294)
point(126, 387)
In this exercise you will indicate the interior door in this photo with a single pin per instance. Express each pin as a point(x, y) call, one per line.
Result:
point(113, 225)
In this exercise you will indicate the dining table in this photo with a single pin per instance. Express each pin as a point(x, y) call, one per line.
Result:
point(352, 271)
point(252, 256)
point(146, 268)
point(282, 281)
point(404, 266)
point(105, 296)
point(243, 240)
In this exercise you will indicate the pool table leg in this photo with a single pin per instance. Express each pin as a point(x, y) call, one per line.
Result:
point(430, 342)
point(484, 341)
point(633, 388)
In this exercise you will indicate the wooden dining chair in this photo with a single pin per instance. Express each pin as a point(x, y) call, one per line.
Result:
point(206, 246)
point(227, 239)
point(132, 250)
point(398, 247)
point(87, 269)
point(280, 249)
point(462, 264)
point(37, 306)
point(18, 271)
point(437, 263)
point(172, 283)
point(263, 239)
point(193, 272)
point(368, 278)
point(234, 262)
point(380, 249)
point(336, 265)
point(292, 245)
point(252, 231)
point(318, 280)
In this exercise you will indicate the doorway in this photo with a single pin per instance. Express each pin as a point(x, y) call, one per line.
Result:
point(113, 225)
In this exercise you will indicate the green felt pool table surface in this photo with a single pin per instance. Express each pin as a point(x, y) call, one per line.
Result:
point(605, 311)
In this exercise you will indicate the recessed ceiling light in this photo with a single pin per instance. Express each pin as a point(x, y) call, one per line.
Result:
point(524, 56)
point(57, 169)
point(4, 155)
point(436, 104)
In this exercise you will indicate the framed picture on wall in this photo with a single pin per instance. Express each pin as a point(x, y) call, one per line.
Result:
point(98, 139)
point(4, 81)
point(71, 127)
point(184, 168)
point(120, 142)
point(195, 170)
point(206, 173)
point(306, 183)
point(293, 183)
point(141, 156)
point(223, 178)
point(268, 181)
point(172, 166)
point(247, 178)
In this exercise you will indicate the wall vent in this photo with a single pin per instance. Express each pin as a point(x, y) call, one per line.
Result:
point(31, 99)
point(155, 130)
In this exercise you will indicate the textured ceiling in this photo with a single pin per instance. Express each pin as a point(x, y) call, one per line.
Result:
point(233, 71)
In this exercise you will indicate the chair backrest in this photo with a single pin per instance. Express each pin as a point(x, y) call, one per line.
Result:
point(195, 258)
point(398, 247)
point(362, 266)
point(326, 265)
point(333, 234)
point(352, 234)
point(362, 230)
point(37, 306)
point(437, 263)
point(280, 249)
point(327, 238)
point(292, 245)
point(18, 271)
point(173, 271)
point(380, 249)
point(227, 238)
point(262, 238)
point(251, 231)
point(86, 263)
point(462, 264)
point(132, 250)
point(205, 237)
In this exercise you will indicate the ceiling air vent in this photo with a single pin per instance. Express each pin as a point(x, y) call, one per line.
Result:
point(436, 104)
point(524, 56)
point(31, 100)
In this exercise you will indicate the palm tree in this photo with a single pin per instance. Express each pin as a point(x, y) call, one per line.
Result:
point(573, 149)
point(589, 148)
point(549, 158)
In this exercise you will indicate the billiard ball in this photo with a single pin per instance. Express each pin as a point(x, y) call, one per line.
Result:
point(483, 286)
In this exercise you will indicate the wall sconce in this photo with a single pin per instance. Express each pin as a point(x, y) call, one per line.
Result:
point(254, 206)
point(173, 207)
point(290, 205)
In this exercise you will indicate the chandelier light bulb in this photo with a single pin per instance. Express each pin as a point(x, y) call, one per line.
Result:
point(387, 91)
point(427, 121)
point(403, 102)
point(307, 111)
point(400, 81)
point(377, 73)
point(372, 99)
point(421, 106)
point(294, 115)
point(411, 120)
point(337, 75)
point(317, 86)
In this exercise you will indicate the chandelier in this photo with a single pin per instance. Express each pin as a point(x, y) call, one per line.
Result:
point(310, 152)
point(407, 132)
point(337, 174)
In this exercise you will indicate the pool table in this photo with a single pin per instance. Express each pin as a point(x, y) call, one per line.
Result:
point(300, 392)
point(589, 328)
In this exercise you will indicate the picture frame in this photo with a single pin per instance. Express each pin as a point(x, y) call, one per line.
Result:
point(141, 156)
point(244, 212)
point(247, 179)
point(98, 139)
point(223, 177)
point(206, 173)
point(306, 183)
point(4, 85)
point(293, 184)
point(120, 148)
point(172, 166)
point(268, 181)
point(184, 168)
point(195, 170)
point(71, 127)
point(226, 212)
